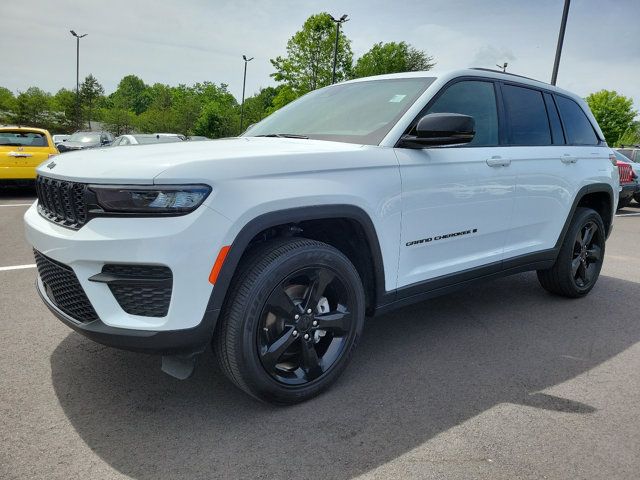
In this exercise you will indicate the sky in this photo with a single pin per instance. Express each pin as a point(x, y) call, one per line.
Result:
point(190, 41)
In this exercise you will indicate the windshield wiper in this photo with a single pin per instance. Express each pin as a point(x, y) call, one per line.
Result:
point(284, 135)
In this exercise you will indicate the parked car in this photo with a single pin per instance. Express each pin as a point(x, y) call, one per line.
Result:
point(60, 138)
point(22, 149)
point(629, 188)
point(144, 139)
point(632, 153)
point(84, 140)
point(353, 200)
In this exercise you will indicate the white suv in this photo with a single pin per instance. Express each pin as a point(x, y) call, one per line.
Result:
point(356, 199)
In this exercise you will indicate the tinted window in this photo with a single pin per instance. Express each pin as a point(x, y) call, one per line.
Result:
point(527, 116)
point(474, 98)
point(554, 120)
point(577, 126)
point(21, 138)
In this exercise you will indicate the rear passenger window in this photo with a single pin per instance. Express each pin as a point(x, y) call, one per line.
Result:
point(577, 126)
point(476, 99)
point(527, 116)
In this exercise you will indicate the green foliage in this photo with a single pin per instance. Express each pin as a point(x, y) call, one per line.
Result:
point(33, 108)
point(392, 57)
point(309, 61)
point(631, 136)
point(7, 104)
point(118, 121)
point(259, 105)
point(131, 94)
point(90, 92)
point(65, 102)
point(613, 112)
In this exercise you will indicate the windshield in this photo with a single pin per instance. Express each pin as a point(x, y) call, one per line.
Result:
point(85, 137)
point(359, 112)
point(21, 138)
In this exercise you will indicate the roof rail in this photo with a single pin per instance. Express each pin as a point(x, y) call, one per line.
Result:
point(506, 73)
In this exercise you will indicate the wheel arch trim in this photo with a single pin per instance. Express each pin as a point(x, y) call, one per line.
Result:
point(586, 190)
point(293, 215)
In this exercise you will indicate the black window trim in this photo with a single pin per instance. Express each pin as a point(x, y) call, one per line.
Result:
point(503, 125)
point(548, 97)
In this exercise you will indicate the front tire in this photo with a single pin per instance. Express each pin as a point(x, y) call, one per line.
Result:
point(293, 318)
point(579, 261)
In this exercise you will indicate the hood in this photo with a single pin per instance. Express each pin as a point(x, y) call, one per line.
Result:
point(78, 145)
point(140, 164)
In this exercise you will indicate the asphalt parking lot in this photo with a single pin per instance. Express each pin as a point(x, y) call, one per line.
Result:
point(500, 381)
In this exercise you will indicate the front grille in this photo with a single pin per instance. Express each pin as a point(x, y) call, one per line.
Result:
point(141, 289)
point(63, 289)
point(62, 202)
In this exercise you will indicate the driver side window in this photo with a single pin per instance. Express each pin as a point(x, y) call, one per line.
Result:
point(474, 98)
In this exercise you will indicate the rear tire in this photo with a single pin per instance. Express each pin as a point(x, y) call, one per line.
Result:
point(636, 197)
point(292, 320)
point(579, 261)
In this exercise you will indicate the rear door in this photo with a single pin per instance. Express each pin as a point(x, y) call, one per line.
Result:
point(544, 171)
point(554, 148)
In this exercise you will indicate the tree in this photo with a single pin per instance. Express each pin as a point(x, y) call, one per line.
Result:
point(392, 57)
point(132, 94)
point(64, 103)
point(33, 108)
point(309, 60)
point(117, 120)
point(613, 112)
point(631, 136)
point(259, 105)
point(90, 93)
point(7, 104)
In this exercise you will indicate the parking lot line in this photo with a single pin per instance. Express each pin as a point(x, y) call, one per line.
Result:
point(16, 205)
point(627, 214)
point(17, 267)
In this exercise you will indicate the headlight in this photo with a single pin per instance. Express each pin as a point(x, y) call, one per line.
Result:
point(155, 199)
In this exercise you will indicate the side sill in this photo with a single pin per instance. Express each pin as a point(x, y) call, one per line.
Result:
point(450, 283)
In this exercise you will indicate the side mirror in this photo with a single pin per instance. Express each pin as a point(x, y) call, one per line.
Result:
point(439, 129)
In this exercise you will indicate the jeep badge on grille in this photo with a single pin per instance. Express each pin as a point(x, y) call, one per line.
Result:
point(51, 165)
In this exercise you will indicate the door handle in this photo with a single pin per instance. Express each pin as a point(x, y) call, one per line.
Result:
point(497, 161)
point(568, 159)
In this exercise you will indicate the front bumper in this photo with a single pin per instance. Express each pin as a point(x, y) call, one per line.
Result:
point(188, 245)
point(148, 341)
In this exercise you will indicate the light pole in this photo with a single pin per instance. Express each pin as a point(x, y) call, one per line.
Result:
point(78, 37)
point(563, 27)
point(338, 22)
point(244, 83)
point(503, 67)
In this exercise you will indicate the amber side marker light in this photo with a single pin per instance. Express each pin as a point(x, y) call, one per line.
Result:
point(217, 266)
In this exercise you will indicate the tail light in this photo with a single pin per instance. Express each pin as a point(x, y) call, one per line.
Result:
point(626, 173)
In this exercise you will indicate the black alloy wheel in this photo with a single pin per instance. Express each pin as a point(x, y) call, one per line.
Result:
point(579, 261)
point(294, 314)
point(587, 254)
point(304, 326)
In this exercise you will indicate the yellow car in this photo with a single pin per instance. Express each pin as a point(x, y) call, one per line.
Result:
point(22, 149)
